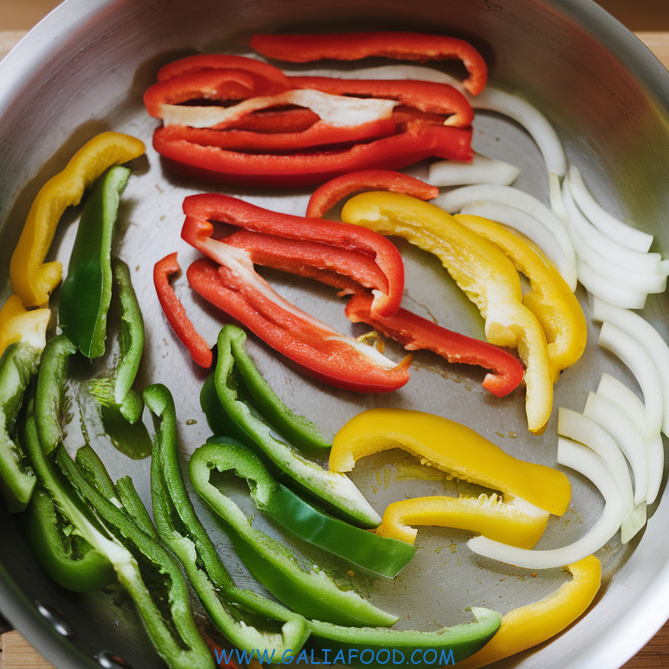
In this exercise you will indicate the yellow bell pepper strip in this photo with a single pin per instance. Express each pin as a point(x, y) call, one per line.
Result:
point(33, 279)
point(517, 523)
point(19, 324)
point(481, 270)
point(535, 623)
point(550, 298)
point(453, 448)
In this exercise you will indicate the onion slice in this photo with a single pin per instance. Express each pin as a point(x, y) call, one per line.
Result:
point(642, 366)
point(648, 338)
point(612, 227)
point(605, 289)
point(581, 459)
point(481, 170)
point(455, 200)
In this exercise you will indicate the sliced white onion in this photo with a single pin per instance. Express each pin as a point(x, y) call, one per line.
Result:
point(526, 225)
point(617, 253)
point(612, 227)
point(455, 200)
point(604, 288)
point(586, 431)
point(482, 170)
point(337, 110)
point(647, 336)
point(589, 464)
point(629, 439)
point(642, 366)
point(633, 523)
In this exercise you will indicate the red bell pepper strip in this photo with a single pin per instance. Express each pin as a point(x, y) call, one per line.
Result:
point(318, 349)
point(222, 61)
point(326, 196)
point(416, 333)
point(319, 134)
point(419, 141)
point(426, 96)
point(355, 46)
point(176, 314)
point(219, 85)
point(270, 121)
point(327, 238)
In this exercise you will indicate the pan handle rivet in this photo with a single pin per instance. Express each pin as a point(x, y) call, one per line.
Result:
point(110, 661)
point(55, 618)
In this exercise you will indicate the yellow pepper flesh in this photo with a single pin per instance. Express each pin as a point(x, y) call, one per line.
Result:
point(481, 269)
point(17, 323)
point(32, 279)
point(549, 299)
point(453, 448)
point(517, 523)
point(535, 623)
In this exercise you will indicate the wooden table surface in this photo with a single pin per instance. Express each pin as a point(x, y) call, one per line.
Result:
point(15, 653)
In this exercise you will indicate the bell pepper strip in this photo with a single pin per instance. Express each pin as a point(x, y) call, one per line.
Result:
point(453, 448)
point(66, 557)
point(32, 279)
point(86, 293)
point(255, 423)
point(326, 196)
point(530, 625)
point(280, 121)
point(517, 523)
point(418, 141)
point(150, 575)
point(198, 229)
point(449, 644)
point(377, 554)
point(309, 592)
point(318, 135)
point(426, 96)
point(18, 364)
point(398, 45)
point(175, 312)
point(417, 333)
point(247, 619)
point(19, 324)
point(550, 298)
point(481, 269)
point(320, 351)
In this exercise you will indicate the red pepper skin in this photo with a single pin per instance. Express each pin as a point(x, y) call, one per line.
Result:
point(416, 333)
point(320, 351)
point(278, 120)
point(220, 61)
point(426, 96)
point(355, 46)
point(176, 314)
point(326, 196)
point(201, 209)
point(417, 142)
point(319, 134)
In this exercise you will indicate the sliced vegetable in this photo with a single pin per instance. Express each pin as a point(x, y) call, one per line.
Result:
point(176, 314)
point(32, 279)
point(453, 448)
point(230, 413)
point(86, 293)
point(530, 625)
point(481, 170)
point(356, 46)
point(417, 333)
point(311, 593)
point(481, 270)
point(19, 324)
point(248, 620)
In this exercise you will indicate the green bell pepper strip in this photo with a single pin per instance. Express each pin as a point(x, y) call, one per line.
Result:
point(65, 555)
point(311, 593)
point(229, 412)
point(423, 650)
point(248, 620)
point(150, 575)
point(86, 293)
point(18, 365)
